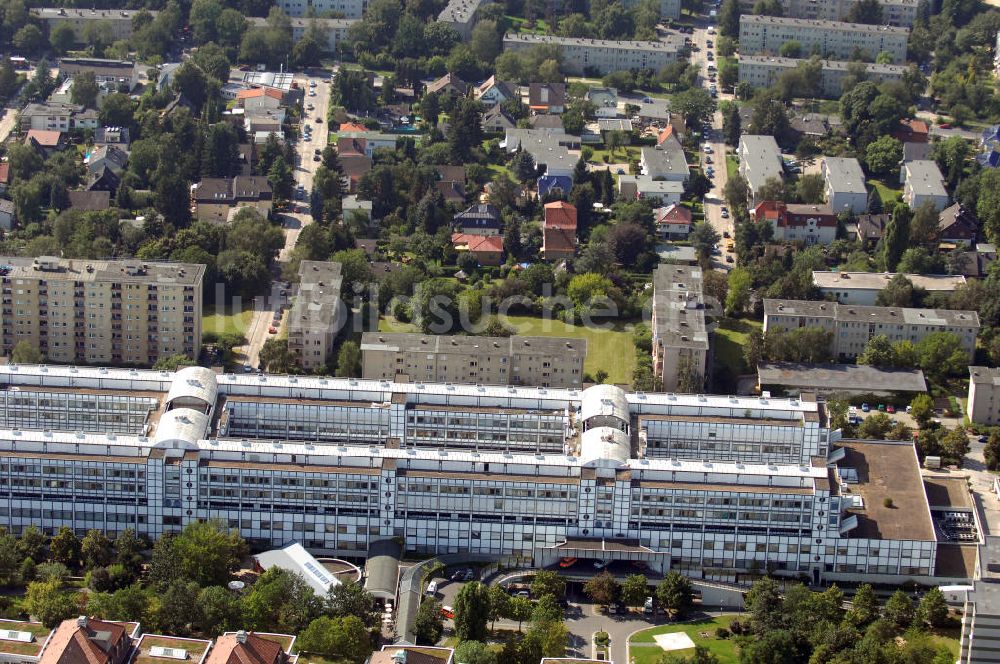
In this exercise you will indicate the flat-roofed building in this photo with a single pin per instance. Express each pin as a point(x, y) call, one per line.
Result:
point(762, 71)
point(901, 13)
point(793, 378)
point(923, 182)
point(112, 73)
point(760, 161)
point(984, 395)
point(601, 56)
point(844, 185)
point(316, 315)
point(460, 15)
point(515, 360)
point(680, 336)
point(864, 287)
point(765, 35)
point(159, 648)
point(853, 326)
point(350, 9)
point(333, 31)
point(101, 311)
point(118, 21)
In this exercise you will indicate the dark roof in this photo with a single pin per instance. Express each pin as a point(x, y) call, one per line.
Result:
point(556, 94)
point(447, 172)
point(495, 116)
point(872, 226)
point(546, 122)
point(448, 81)
point(958, 222)
point(89, 201)
point(845, 377)
point(382, 568)
point(104, 179)
point(481, 215)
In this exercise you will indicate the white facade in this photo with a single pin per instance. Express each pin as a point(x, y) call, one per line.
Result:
point(760, 161)
point(984, 395)
point(580, 55)
point(343, 8)
point(830, 39)
point(762, 71)
point(845, 185)
point(922, 181)
point(863, 287)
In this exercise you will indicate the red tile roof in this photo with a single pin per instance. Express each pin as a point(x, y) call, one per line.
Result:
point(477, 243)
point(93, 642)
point(44, 137)
point(665, 134)
point(561, 241)
point(673, 214)
point(4, 173)
point(560, 214)
point(912, 131)
point(253, 93)
point(255, 650)
point(352, 126)
point(789, 214)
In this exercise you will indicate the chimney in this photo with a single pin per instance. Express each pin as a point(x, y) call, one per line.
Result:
point(81, 621)
point(241, 636)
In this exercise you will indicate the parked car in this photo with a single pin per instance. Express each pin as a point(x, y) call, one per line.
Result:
point(729, 259)
point(707, 148)
point(890, 409)
point(523, 594)
point(432, 588)
point(983, 439)
point(567, 562)
point(865, 407)
point(272, 330)
point(447, 612)
point(725, 215)
point(601, 564)
point(247, 368)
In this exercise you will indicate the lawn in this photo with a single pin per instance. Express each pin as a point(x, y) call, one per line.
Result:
point(649, 652)
point(730, 337)
point(948, 638)
point(620, 156)
point(732, 166)
point(220, 319)
point(885, 192)
point(611, 350)
point(517, 25)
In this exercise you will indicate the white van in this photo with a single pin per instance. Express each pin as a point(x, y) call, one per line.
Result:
point(432, 588)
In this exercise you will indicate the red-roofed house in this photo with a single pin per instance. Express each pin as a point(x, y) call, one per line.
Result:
point(488, 249)
point(559, 231)
point(259, 98)
point(4, 176)
point(45, 141)
point(247, 648)
point(912, 131)
point(89, 641)
point(810, 224)
point(664, 134)
point(352, 126)
point(673, 222)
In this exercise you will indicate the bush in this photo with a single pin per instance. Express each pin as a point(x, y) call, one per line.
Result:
point(721, 633)
point(887, 503)
point(602, 638)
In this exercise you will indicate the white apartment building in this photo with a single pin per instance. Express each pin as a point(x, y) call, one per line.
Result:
point(460, 15)
point(764, 35)
point(922, 181)
point(680, 336)
point(823, 517)
point(352, 9)
point(864, 287)
point(601, 56)
point(316, 315)
point(333, 31)
point(762, 71)
point(669, 9)
point(900, 13)
point(984, 395)
point(845, 186)
point(118, 21)
point(853, 326)
point(760, 161)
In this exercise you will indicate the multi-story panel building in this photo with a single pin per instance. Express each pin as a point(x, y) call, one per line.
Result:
point(923, 182)
point(760, 161)
point(853, 326)
point(829, 39)
point(680, 336)
point(900, 13)
point(118, 21)
point(669, 9)
point(316, 315)
point(864, 287)
point(762, 71)
point(101, 311)
point(516, 360)
point(844, 185)
point(601, 56)
point(333, 31)
point(111, 74)
point(984, 395)
point(460, 15)
point(823, 516)
point(352, 9)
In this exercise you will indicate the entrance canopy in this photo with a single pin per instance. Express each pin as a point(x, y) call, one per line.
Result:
point(382, 568)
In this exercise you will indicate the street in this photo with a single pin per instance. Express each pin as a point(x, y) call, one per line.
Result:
point(7, 123)
point(317, 96)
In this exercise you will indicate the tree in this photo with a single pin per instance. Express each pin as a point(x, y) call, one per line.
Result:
point(499, 599)
point(924, 228)
point(48, 602)
point(896, 237)
point(547, 582)
point(696, 105)
point(281, 178)
point(65, 547)
point(991, 451)
point(472, 611)
point(522, 165)
point(770, 117)
point(955, 444)
point(32, 544)
point(738, 295)
point(736, 192)
point(729, 18)
point(218, 611)
point(349, 360)
point(864, 606)
point(351, 599)
point(178, 606)
point(627, 241)
point(25, 353)
point(281, 600)
point(882, 156)
point(899, 610)
point(29, 40)
point(810, 189)
point(474, 652)
point(941, 354)
point(62, 38)
point(275, 356)
point(875, 427)
point(933, 609)
point(763, 603)
point(603, 589)
point(519, 609)
point(865, 11)
point(96, 549)
point(465, 130)
point(10, 561)
point(922, 409)
point(874, 202)
point(703, 238)
point(428, 625)
point(790, 49)
point(344, 639)
point(878, 352)
point(675, 595)
point(899, 292)
point(208, 553)
point(551, 638)
point(635, 589)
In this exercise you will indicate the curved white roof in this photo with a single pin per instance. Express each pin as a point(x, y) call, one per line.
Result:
point(181, 425)
point(605, 444)
point(606, 400)
point(194, 383)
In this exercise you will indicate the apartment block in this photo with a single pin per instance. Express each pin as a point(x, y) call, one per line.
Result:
point(352, 9)
point(56, 117)
point(118, 21)
point(844, 185)
point(900, 13)
point(760, 161)
point(864, 287)
point(764, 35)
point(822, 516)
point(460, 15)
point(516, 360)
point(798, 222)
point(602, 56)
point(762, 71)
point(680, 336)
point(113, 74)
point(316, 314)
point(853, 326)
point(101, 311)
point(332, 31)
point(984, 395)
point(923, 182)
point(669, 9)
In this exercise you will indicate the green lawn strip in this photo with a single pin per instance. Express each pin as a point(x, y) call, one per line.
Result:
point(885, 192)
point(730, 337)
point(732, 166)
point(948, 638)
point(724, 649)
point(220, 319)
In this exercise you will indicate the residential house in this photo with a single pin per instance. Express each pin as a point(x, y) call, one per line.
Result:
point(119, 136)
point(479, 219)
point(813, 125)
point(5, 177)
point(89, 201)
point(666, 160)
point(662, 192)
point(546, 122)
point(761, 35)
point(516, 138)
point(912, 131)
point(104, 179)
point(653, 109)
point(496, 120)
point(452, 192)
point(844, 185)
point(958, 225)
point(922, 181)
point(44, 141)
point(989, 146)
point(257, 120)
point(809, 224)
point(863, 287)
point(546, 98)
point(109, 156)
point(250, 648)
point(871, 227)
point(216, 198)
point(596, 57)
point(491, 91)
point(117, 22)
point(354, 165)
point(247, 156)
point(86, 640)
point(55, 117)
point(605, 101)
point(259, 98)
point(352, 206)
point(366, 142)
point(448, 84)
point(760, 161)
point(559, 231)
point(673, 222)
point(488, 249)
point(915, 151)
point(112, 74)
point(6, 214)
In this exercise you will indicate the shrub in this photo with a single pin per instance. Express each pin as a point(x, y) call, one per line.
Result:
point(887, 503)
point(721, 633)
